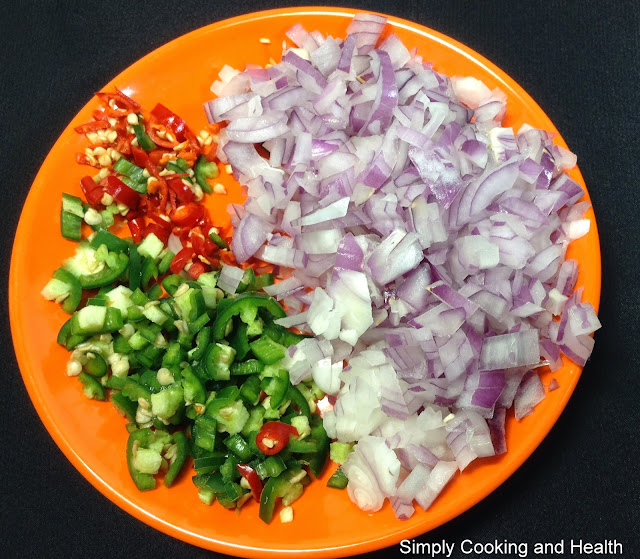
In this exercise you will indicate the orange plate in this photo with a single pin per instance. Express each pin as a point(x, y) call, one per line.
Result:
point(93, 436)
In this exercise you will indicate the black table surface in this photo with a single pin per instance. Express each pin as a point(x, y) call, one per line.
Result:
point(579, 60)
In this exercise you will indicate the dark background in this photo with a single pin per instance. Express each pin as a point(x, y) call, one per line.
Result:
point(579, 60)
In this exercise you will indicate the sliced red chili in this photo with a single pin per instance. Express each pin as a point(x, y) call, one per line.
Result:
point(183, 192)
point(182, 233)
point(209, 246)
point(197, 268)
point(227, 257)
point(153, 170)
point(187, 215)
point(163, 189)
point(172, 203)
point(169, 119)
point(180, 260)
point(160, 221)
point(274, 436)
point(152, 132)
point(92, 192)
point(212, 153)
point(92, 126)
point(136, 227)
point(197, 240)
point(164, 193)
point(82, 159)
point(123, 144)
point(248, 473)
point(143, 205)
point(156, 155)
point(100, 115)
point(158, 231)
point(202, 245)
point(140, 157)
point(123, 103)
point(121, 192)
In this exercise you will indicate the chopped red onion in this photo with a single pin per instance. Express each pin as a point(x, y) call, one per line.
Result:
point(553, 385)
point(230, 278)
point(441, 474)
point(510, 350)
point(427, 243)
point(530, 392)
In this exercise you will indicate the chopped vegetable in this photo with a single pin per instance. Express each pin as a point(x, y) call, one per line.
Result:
point(194, 366)
point(424, 244)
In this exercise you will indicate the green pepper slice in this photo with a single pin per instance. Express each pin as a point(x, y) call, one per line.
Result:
point(143, 437)
point(70, 226)
point(178, 459)
point(267, 350)
point(205, 432)
point(238, 304)
point(277, 387)
point(274, 488)
point(91, 387)
point(144, 141)
point(280, 486)
point(204, 170)
point(318, 459)
point(107, 275)
point(193, 387)
point(126, 407)
point(298, 399)
point(338, 480)
point(72, 301)
point(133, 175)
point(111, 241)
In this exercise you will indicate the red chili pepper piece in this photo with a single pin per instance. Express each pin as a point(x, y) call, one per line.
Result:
point(205, 222)
point(169, 119)
point(197, 268)
point(209, 246)
point(152, 132)
point(100, 115)
point(82, 159)
point(201, 248)
point(163, 189)
point(187, 215)
point(123, 103)
point(140, 157)
point(123, 143)
point(136, 226)
point(180, 260)
point(92, 126)
point(183, 192)
point(92, 192)
point(274, 436)
point(133, 105)
point(160, 221)
point(248, 473)
point(158, 231)
point(161, 115)
point(121, 192)
point(173, 203)
point(155, 155)
point(197, 239)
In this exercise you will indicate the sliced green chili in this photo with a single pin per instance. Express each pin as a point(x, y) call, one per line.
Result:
point(241, 303)
point(204, 170)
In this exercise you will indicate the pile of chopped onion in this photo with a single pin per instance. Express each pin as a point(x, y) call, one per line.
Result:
point(422, 243)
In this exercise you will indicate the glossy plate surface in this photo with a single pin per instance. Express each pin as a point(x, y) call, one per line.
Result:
point(93, 436)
